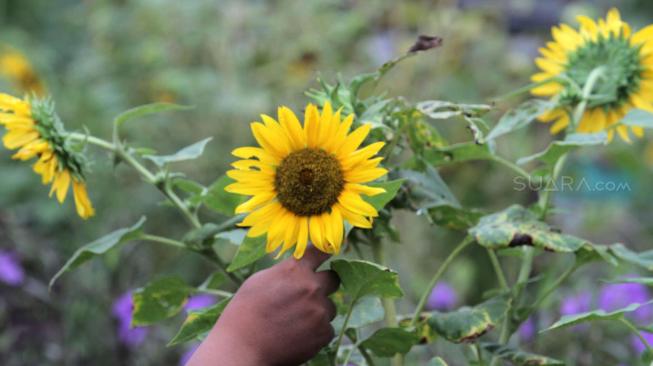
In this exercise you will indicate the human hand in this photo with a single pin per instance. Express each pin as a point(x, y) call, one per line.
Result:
point(279, 316)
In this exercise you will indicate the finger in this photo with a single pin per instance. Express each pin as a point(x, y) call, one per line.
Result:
point(313, 258)
point(329, 281)
point(331, 309)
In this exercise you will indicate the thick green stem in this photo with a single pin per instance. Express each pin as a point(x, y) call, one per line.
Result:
point(436, 277)
point(636, 331)
point(389, 307)
point(501, 277)
point(164, 240)
point(342, 330)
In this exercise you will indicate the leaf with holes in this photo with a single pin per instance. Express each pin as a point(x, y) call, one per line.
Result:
point(468, 323)
point(517, 226)
point(387, 342)
point(100, 247)
point(159, 300)
point(198, 323)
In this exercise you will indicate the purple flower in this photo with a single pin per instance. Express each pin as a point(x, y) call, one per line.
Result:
point(576, 304)
point(527, 330)
point(637, 344)
point(619, 295)
point(11, 272)
point(188, 354)
point(122, 310)
point(443, 297)
point(199, 302)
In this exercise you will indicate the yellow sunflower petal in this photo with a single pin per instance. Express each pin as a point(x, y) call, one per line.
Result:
point(293, 128)
point(560, 124)
point(61, 184)
point(256, 152)
point(353, 202)
point(82, 202)
point(353, 141)
point(623, 133)
point(365, 175)
point(302, 238)
point(254, 202)
point(354, 219)
point(316, 231)
point(361, 155)
point(15, 139)
point(311, 125)
point(637, 131)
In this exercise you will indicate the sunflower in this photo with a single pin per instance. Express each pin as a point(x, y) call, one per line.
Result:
point(36, 132)
point(627, 83)
point(306, 181)
point(17, 68)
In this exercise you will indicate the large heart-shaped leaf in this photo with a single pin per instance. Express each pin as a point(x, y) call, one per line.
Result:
point(557, 148)
point(99, 247)
point(361, 278)
point(198, 323)
point(159, 300)
point(519, 358)
point(517, 226)
point(387, 342)
point(249, 251)
point(190, 152)
point(468, 323)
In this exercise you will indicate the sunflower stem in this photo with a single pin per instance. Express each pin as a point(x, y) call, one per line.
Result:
point(436, 277)
point(501, 277)
point(342, 331)
point(636, 331)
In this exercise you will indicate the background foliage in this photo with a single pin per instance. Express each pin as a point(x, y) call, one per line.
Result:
point(235, 59)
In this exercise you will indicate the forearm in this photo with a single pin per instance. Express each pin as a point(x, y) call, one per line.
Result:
point(221, 348)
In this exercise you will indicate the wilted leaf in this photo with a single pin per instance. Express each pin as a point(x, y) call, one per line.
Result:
point(99, 247)
point(380, 200)
point(469, 323)
point(191, 152)
point(638, 117)
point(249, 251)
point(147, 109)
point(519, 117)
point(160, 299)
point(569, 320)
point(518, 357)
point(425, 42)
point(516, 226)
point(457, 218)
point(217, 199)
point(386, 342)
point(199, 323)
point(361, 278)
point(440, 109)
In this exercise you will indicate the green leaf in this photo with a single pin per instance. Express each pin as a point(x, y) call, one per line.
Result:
point(361, 278)
point(469, 323)
point(457, 153)
point(213, 282)
point(147, 109)
point(437, 361)
point(457, 218)
point(380, 200)
point(638, 117)
point(366, 311)
point(99, 247)
point(249, 251)
point(190, 152)
point(516, 226)
point(648, 281)
point(196, 237)
point(221, 201)
point(557, 148)
point(198, 323)
point(519, 358)
point(642, 259)
point(569, 320)
point(159, 300)
point(387, 342)
point(422, 136)
point(519, 117)
point(428, 188)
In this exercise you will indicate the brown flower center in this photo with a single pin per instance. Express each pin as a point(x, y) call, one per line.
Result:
point(309, 181)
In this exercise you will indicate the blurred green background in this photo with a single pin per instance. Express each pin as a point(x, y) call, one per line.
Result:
point(233, 60)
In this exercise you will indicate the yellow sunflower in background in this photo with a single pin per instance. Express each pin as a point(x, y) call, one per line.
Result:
point(627, 82)
point(17, 68)
point(36, 132)
point(306, 181)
